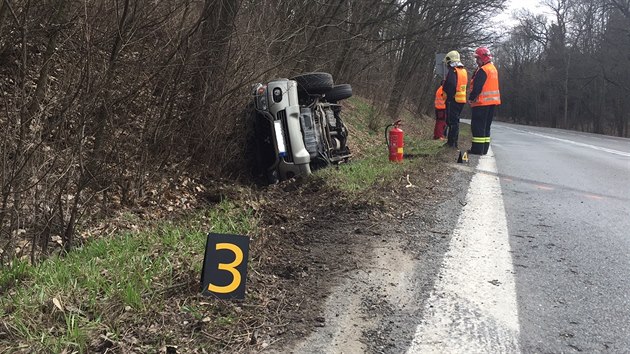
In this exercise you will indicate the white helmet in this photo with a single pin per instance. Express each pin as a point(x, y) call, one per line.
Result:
point(452, 56)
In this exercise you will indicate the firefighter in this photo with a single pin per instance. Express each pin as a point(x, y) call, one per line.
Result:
point(454, 87)
point(440, 114)
point(484, 96)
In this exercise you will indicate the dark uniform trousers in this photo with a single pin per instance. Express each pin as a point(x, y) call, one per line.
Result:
point(481, 119)
point(453, 110)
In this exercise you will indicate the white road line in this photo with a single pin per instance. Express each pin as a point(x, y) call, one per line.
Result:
point(611, 151)
point(473, 308)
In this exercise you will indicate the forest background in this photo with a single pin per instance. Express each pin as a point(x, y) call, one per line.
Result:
point(109, 104)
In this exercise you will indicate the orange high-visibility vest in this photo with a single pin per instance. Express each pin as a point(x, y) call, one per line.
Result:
point(440, 99)
point(462, 80)
point(490, 94)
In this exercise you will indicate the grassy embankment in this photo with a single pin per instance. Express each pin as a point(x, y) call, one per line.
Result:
point(371, 166)
point(111, 288)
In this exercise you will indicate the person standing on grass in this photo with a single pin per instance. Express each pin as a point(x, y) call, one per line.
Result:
point(484, 96)
point(440, 114)
point(455, 89)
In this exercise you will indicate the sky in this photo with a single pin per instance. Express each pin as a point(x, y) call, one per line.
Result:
point(505, 18)
point(503, 21)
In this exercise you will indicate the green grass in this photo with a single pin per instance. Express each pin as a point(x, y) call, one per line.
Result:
point(374, 167)
point(107, 277)
point(111, 285)
point(418, 146)
point(360, 175)
point(16, 272)
point(365, 117)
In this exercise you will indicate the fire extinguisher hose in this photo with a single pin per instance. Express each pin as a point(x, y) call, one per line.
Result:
point(386, 135)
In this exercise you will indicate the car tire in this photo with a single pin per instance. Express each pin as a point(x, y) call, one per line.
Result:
point(338, 93)
point(314, 83)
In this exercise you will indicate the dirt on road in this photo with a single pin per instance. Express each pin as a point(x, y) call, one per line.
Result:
point(350, 276)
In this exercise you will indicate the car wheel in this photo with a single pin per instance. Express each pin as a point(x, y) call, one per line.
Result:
point(338, 93)
point(314, 83)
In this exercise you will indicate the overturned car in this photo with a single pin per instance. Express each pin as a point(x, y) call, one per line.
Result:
point(297, 125)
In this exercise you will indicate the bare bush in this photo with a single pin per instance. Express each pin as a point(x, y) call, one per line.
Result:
point(103, 103)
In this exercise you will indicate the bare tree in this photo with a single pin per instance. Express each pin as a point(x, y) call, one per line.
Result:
point(578, 69)
point(105, 100)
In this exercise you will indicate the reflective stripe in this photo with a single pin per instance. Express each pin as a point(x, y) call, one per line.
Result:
point(489, 96)
point(488, 99)
point(478, 140)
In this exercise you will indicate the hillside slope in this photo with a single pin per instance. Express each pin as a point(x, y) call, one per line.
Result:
point(134, 284)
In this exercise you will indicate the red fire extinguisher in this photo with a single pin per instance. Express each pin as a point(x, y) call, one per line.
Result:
point(395, 141)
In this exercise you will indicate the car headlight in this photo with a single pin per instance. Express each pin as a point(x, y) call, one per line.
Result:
point(259, 91)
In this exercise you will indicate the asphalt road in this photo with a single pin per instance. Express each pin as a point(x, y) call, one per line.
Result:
point(536, 261)
point(567, 204)
point(539, 259)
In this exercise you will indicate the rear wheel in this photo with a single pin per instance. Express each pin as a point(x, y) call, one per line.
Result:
point(316, 83)
point(338, 93)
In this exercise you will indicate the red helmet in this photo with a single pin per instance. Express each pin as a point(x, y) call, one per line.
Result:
point(483, 54)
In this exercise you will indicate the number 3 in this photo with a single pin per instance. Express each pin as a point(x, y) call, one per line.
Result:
point(230, 267)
